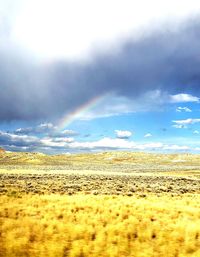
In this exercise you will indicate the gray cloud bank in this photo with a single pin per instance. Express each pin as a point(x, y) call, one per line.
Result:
point(47, 139)
point(164, 60)
point(47, 144)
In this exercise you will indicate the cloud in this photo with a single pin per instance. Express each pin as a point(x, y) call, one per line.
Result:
point(183, 109)
point(123, 134)
point(148, 135)
point(186, 121)
point(150, 146)
point(155, 64)
point(56, 142)
point(63, 133)
point(196, 132)
point(68, 132)
point(177, 148)
point(120, 21)
point(123, 144)
point(103, 144)
point(180, 126)
point(9, 139)
point(184, 98)
point(51, 145)
point(40, 129)
point(33, 143)
point(47, 129)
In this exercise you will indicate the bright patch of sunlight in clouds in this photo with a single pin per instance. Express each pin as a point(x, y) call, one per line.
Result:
point(54, 29)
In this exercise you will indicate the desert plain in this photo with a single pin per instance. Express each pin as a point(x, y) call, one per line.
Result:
point(99, 204)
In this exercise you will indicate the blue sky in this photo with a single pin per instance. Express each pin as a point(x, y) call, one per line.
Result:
point(116, 75)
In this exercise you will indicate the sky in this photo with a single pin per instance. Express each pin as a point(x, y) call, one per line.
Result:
point(90, 76)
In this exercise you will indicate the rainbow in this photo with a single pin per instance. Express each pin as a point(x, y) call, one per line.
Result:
point(80, 111)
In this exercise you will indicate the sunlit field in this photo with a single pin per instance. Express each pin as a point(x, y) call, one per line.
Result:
point(111, 204)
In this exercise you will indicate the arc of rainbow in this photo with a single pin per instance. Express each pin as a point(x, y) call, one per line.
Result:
point(80, 111)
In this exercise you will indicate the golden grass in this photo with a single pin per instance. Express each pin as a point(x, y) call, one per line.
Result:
point(22, 158)
point(87, 225)
point(105, 204)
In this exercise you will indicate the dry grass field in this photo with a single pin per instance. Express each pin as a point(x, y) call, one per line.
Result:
point(103, 204)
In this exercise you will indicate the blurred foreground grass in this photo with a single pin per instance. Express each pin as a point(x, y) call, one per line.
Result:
point(81, 225)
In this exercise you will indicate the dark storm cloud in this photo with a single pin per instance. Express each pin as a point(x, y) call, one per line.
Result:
point(166, 61)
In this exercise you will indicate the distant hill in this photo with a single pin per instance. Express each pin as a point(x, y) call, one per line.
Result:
point(2, 150)
point(103, 158)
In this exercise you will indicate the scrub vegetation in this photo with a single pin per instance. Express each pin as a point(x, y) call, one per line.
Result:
point(105, 204)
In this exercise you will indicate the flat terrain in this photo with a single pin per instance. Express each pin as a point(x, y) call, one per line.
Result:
point(103, 204)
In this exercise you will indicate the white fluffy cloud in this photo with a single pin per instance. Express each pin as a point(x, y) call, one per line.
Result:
point(183, 109)
point(56, 142)
point(183, 98)
point(123, 134)
point(148, 135)
point(104, 143)
point(122, 144)
point(186, 121)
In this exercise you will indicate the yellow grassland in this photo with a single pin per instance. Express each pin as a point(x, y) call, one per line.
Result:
point(22, 158)
point(100, 205)
point(98, 225)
